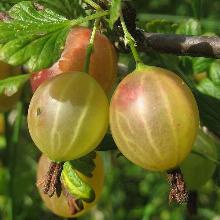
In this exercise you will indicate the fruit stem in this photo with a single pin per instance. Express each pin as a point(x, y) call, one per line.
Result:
point(79, 21)
point(192, 203)
point(178, 190)
point(96, 6)
point(93, 4)
point(90, 47)
point(131, 42)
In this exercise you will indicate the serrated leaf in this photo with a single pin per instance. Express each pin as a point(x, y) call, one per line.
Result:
point(26, 10)
point(69, 8)
point(11, 85)
point(114, 11)
point(85, 165)
point(214, 72)
point(32, 37)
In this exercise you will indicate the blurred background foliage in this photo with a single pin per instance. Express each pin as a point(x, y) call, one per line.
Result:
point(130, 192)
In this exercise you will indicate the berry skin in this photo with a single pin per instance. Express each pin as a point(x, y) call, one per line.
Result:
point(68, 116)
point(154, 118)
point(38, 78)
point(103, 62)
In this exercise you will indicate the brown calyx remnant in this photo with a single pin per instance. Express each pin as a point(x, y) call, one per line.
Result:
point(4, 16)
point(38, 6)
point(51, 184)
point(192, 203)
point(52, 181)
point(75, 205)
point(178, 192)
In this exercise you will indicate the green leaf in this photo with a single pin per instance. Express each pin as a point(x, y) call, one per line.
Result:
point(33, 37)
point(85, 165)
point(214, 72)
point(209, 107)
point(161, 26)
point(68, 8)
point(2, 142)
point(4, 6)
point(75, 185)
point(209, 110)
point(207, 157)
point(4, 177)
point(114, 11)
point(201, 64)
point(197, 8)
point(11, 85)
point(23, 176)
point(190, 27)
point(207, 87)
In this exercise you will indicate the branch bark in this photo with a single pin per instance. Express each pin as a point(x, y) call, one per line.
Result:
point(197, 46)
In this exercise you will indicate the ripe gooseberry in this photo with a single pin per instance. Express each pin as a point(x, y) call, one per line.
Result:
point(7, 101)
point(154, 118)
point(59, 205)
point(196, 169)
point(68, 116)
point(103, 61)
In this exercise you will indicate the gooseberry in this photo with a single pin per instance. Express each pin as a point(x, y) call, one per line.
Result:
point(68, 116)
point(7, 101)
point(59, 205)
point(196, 168)
point(154, 118)
point(103, 62)
point(39, 77)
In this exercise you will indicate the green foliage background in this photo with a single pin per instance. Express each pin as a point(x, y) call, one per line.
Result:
point(130, 192)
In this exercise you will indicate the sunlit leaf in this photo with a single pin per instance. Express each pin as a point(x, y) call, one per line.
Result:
point(11, 85)
point(32, 37)
point(114, 11)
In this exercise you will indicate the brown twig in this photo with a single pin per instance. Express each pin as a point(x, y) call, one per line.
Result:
point(198, 46)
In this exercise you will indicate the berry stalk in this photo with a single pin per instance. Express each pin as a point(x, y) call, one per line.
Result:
point(130, 41)
point(90, 47)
